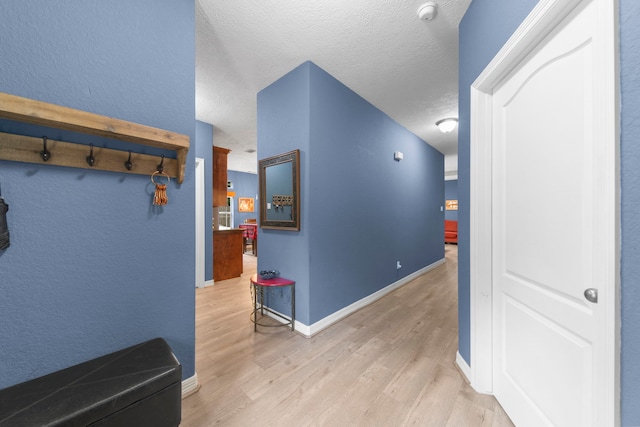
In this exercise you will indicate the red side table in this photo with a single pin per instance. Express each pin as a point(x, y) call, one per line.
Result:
point(258, 284)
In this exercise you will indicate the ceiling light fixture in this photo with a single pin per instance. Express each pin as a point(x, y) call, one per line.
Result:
point(427, 11)
point(447, 125)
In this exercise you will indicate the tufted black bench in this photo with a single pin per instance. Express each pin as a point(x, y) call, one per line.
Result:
point(137, 386)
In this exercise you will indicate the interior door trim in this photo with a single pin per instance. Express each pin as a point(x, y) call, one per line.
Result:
point(545, 16)
point(200, 214)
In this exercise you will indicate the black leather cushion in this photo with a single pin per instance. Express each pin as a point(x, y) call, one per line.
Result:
point(116, 389)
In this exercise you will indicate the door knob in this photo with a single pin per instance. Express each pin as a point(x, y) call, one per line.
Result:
point(591, 294)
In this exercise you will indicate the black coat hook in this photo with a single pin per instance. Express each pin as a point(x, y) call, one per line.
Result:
point(160, 167)
point(128, 163)
point(90, 159)
point(45, 154)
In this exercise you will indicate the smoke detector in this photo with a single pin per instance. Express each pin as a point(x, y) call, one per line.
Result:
point(427, 11)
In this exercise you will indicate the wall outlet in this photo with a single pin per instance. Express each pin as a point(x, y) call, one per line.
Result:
point(398, 266)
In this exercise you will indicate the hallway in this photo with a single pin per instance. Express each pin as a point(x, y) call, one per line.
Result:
point(389, 364)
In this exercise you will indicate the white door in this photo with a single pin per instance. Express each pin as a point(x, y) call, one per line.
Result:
point(546, 212)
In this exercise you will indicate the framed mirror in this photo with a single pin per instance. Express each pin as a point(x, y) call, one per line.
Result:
point(280, 191)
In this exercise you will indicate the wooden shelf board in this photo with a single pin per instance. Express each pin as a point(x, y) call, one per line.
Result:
point(27, 149)
point(42, 113)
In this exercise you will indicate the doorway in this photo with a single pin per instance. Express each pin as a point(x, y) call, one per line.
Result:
point(544, 350)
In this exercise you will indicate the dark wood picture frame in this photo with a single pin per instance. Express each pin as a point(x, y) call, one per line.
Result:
point(280, 207)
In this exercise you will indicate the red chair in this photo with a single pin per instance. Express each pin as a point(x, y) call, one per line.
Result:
point(450, 231)
point(250, 235)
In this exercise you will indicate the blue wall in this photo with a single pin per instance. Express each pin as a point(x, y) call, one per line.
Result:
point(630, 181)
point(451, 193)
point(92, 266)
point(481, 36)
point(361, 210)
point(284, 125)
point(203, 149)
point(244, 185)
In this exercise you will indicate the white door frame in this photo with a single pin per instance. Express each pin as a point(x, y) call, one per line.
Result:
point(546, 15)
point(200, 249)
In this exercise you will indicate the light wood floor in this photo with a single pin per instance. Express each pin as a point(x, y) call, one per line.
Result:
point(389, 364)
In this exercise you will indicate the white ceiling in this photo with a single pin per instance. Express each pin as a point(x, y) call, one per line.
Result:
point(406, 67)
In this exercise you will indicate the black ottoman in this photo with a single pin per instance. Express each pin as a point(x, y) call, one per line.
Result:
point(137, 386)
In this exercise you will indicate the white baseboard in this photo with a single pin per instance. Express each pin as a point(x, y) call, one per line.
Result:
point(205, 284)
point(303, 329)
point(465, 369)
point(309, 331)
point(190, 386)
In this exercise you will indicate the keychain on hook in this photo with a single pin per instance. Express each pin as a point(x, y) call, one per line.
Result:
point(160, 196)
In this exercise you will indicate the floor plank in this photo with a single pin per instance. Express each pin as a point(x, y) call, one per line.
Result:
point(389, 364)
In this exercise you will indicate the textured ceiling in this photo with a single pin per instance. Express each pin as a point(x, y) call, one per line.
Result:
point(406, 67)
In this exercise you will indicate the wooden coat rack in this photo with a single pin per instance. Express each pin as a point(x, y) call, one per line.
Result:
point(27, 149)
